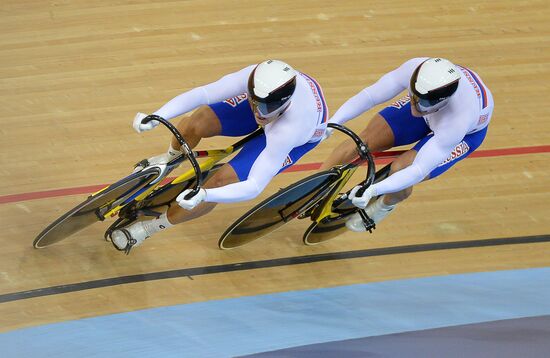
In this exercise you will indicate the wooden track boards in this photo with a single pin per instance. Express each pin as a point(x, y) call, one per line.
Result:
point(73, 74)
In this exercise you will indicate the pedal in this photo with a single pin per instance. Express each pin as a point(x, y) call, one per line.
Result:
point(119, 223)
point(367, 221)
point(130, 242)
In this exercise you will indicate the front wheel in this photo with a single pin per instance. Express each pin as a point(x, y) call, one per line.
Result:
point(334, 225)
point(325, 230)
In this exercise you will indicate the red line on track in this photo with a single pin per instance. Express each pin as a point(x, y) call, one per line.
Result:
point(381, 158)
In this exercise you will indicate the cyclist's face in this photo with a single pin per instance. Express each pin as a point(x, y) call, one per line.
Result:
point(260, 119)
point(417, 110)
point(420, 107)
point(414, 103)
point(263, 121)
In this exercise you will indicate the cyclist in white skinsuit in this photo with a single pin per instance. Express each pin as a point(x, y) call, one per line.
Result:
point(447, 110)
point(289, 105)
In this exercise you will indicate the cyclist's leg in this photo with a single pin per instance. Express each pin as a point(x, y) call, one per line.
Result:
point(202, 123)
point(236, 119)
point(401, 162)
point(381, 207)
point(377, 135)
point(393, 126)
point(403, 128)
point(232, 117)
point(222, 118)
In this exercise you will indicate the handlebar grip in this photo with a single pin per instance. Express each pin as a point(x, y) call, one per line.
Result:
point(192, 193)
point(361, 191)
point(149, 118)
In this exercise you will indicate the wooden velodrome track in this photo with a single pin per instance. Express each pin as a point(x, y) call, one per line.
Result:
point(74, 73)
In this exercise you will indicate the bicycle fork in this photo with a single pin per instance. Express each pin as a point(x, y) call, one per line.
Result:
point(324, 214)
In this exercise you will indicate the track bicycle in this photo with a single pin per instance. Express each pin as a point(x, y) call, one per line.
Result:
point(140, 194)
point(316, 197)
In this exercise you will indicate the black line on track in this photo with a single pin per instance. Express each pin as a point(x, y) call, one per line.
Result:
point(286, 261)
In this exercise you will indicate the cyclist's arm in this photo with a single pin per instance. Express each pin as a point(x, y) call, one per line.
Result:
point(228, 86)
point(279, 144)
point(430, 156)
point(387, 87)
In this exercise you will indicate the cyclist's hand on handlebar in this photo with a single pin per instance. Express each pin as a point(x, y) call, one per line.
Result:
point(327, 134)
point(140, 127)
point(361, 201)
point(190, 203)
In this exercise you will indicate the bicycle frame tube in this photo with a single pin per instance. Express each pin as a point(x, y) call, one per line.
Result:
point(145, 191)
point(325, 209)
point(213, 156)
point(138, 196)
point(322, 191)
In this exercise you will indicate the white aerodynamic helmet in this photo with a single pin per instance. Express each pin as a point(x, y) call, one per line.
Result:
point(432, 84)
point(270, 87)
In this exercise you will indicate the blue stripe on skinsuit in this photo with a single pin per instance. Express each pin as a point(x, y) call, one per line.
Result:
point(321, 96)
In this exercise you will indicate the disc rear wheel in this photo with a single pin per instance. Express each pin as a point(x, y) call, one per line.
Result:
point(278, 209)
point(93, 208)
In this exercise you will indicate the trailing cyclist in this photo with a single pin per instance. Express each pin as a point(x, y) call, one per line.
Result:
point(288, 104)
point(447, 111)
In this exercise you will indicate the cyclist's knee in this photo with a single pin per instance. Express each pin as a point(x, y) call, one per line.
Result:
point(397, 166)
point(378, 134)
point(405, 193)
point(224, 176)
point(397, 197)
point(403, 161)
point(202, 123)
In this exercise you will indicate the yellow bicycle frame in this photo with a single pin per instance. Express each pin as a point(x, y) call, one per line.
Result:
point(214, 156)
point(325, 209)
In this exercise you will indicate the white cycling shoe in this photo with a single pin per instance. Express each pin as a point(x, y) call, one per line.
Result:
point(375, 211)
point(160, 160)
point(124, 239)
